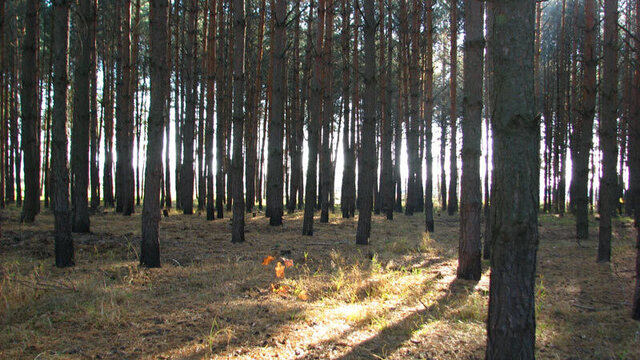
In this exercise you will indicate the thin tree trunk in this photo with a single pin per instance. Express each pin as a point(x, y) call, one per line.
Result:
point(511, 325)
point(211, 98)
point(93, 126)
point(220, 116)
point(107, 110)
point(315, 110)
point(428, 194)
point(186, 173)
point(63, 241)
point(297, 136)
point(452, 202)
point(327, 114)
point(386, 173)
point(347, 197)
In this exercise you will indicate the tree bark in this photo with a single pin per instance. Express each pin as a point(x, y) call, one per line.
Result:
point(511, 325)
point(608, 119)
point(470, 250)
point(366, 159)
point(428, 194)
point(276, 117)
point(327, 113)
point(634, 162)
point(30, 101)
point(315, 110)
point(220, 116)
point(452, 202)
point(239, 26)
point(150, 246)
point(81, 122)
point(63, 242)
point(93, 126)
point(211, 99)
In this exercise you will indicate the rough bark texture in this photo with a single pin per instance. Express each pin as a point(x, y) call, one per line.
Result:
point(186, 173)
point(239, 25)
point(94, 129)
point(63, 242)
point(470, 250)
point(276, 117)
point(150, 246)
point(81, 118)
point(220, 117)
point(367, 156)
point(347, 193)
point(315, 111)
point(29, 100)
point(386, 171)
point(452, 202)
point(608, 120)
point(107, 108)
point(634, 164)
point(327, 116)
point(511, 325)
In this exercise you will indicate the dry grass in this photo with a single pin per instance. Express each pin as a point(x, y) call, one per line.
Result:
point(395, 299)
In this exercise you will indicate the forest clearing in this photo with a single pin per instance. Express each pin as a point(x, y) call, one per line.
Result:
point(396, 298)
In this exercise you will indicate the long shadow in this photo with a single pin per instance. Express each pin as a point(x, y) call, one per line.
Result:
point(392, 337)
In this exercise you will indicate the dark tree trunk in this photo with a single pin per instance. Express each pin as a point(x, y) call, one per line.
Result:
point(59, 164)
point(488, 177)
point(452, 202)
point(608, 119)
point(428, 194)
point(276, 116)
point(239, 26)
point(315, 111)
point(30, 101)
point(220, 116)
point(413, 124)
point(107, 109)
point(297, 118)
point(634, 164)
point(584, 125)
point(511, 325)
point(347, 193)
point(211, 98)
point(327, 115)
point(81, 122)
point(186, 173)
point(470, 250)
point(93, 126)
point(386, 173)
point(150, 246)
point(366, 159)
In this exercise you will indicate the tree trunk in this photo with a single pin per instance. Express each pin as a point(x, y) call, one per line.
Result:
point(452, 202)
point(276, 117)
point(63, 242)
point(107, 109)
point(150, 246)
point(239, 25)
point(94, 128)
point(428, 194)
point(220, 116)
point(297, 118)
point(511, 325)
point(386, 173)
point(315, 110)
point(347, 193)
point(366, 159)
point(327, 113)
point(470, 250)
point(634, 163)
point(81, 122)
point(608, 117)
point(584, 125)
point(29, 99)
point(211, 98)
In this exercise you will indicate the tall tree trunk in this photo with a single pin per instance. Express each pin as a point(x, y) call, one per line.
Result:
point(608, 117)
point(81, 122)
point(428, 194)
point(211, 98)
point(584, 125)
point(220, 115)
point(94, 130)
point(470, 250)
point(276, 116)
point(511, 328)
point(327, 115)
point(29, 100)
point(107, 109)
point(366, 159)
point(63, 242)
point(150, 246)
point(239, 27)
point(297, 136)
point(347, 193)
point(315, 111)
point(186, 174)
point(386, 173)
point(452, 202)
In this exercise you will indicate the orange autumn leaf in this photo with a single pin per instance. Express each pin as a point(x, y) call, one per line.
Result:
point(280, 270)
point(287, 262)
point(267, 260)
point(282, 289)
point(303, 296)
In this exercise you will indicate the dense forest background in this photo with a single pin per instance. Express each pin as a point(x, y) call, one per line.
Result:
point(489, 113)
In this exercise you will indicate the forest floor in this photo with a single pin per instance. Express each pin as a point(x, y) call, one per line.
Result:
point(397, 298)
